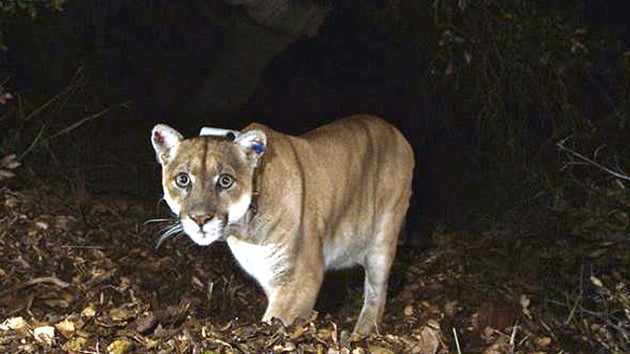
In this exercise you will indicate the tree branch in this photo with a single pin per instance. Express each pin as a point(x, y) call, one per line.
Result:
point(585, 160)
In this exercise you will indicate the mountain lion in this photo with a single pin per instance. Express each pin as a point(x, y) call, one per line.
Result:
point(290, 207)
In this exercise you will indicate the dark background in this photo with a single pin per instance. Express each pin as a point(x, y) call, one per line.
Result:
point(158, 53)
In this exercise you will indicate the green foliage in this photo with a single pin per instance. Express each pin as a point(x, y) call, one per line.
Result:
point(30, 7)
point(511, 62)
point(523, 70)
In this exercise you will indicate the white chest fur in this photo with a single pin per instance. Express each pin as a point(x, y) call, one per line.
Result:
point(260, 261)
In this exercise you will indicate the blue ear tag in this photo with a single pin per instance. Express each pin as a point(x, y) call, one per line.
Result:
point(259, 148)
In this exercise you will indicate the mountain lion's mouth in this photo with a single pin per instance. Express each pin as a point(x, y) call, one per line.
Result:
point(206, 234)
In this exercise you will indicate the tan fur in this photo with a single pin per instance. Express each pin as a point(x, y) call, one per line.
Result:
point(331, 198)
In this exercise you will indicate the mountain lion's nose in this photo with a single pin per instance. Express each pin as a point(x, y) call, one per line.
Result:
point(201, 219)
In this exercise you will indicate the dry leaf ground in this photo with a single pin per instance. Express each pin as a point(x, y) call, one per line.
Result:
point(79, 273)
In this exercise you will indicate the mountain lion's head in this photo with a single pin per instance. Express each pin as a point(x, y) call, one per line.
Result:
point(208, 180)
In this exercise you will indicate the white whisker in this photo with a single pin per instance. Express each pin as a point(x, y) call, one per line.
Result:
point(170, 231)
point(153, 221)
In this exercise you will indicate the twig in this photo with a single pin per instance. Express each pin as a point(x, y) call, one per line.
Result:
point(84, 247)
point(459, 350)
point(38, 139)
point(546, 326)
point(210, 290)
point(578, 300)
point(72, 127)
point(32, 145)
point(591, 162)
point(52, 100)
point(513, 336)
point(53, 280)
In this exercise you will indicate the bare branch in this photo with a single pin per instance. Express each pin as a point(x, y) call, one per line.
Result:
point(585, 160)
point(85, 120)
point(40, 139)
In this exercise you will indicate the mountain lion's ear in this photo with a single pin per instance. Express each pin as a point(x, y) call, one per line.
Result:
point(255, 141)
point(164, 139)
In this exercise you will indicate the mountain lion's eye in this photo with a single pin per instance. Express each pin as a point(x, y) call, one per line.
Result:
point(182, 180)
point(225, 181)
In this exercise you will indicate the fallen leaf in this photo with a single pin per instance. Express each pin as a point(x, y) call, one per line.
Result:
point(145, 322)
point(451, 308)
point(496, 315)
point(5, 97)
point(66, 328)
point(15, 323)
point(408, 310)
point(121, 313)
point(58, 303)
point(5, 174)
point(543, 341)
point(74, 345)
point(409, 292)
point(45, 334)
point(428, 339)
point(525, 302)
point(9, 162)
point(89, 311)
point(501, 346)
point(596, 281)
point(41, 224)
point(375, 349)
point(119, 346)
point(284, 348)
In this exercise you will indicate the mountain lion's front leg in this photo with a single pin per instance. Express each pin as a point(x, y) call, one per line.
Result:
point(294, 300)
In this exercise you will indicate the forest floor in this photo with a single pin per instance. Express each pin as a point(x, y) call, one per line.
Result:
point(80, 273)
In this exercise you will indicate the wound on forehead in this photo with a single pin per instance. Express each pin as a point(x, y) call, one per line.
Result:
point(158, 137)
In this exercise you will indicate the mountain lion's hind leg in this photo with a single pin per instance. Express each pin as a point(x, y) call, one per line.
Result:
point(374, 294)
point(377, 265)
